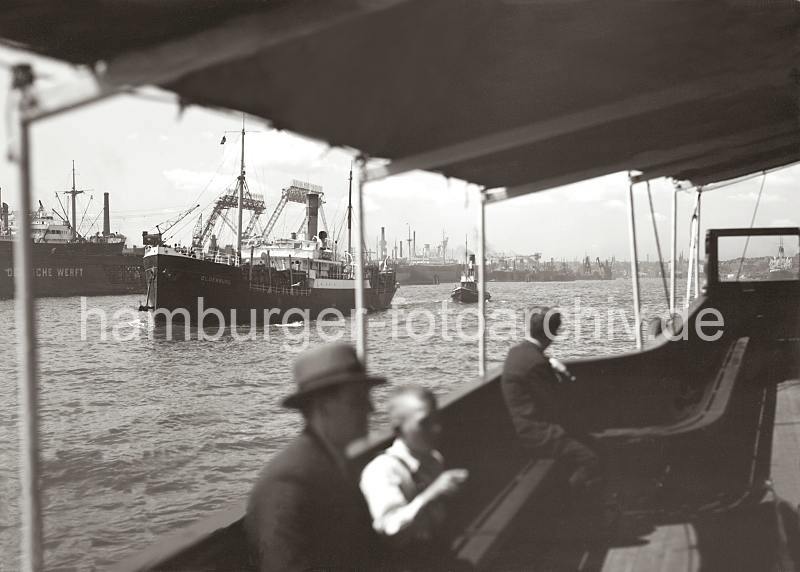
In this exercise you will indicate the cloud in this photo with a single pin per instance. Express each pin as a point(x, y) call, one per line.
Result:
point(752, 197)
point(189, 180)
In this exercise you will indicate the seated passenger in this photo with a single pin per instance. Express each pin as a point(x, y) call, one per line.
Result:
point(406, 484)
point(306, 512)
point(529, 388)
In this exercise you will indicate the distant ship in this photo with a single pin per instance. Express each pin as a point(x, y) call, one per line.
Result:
point(528, 269)
point(293, 278)
point(432, 266)
point(780, 266)
point(67, 263)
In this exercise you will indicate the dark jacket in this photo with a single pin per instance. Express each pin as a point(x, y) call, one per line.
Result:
point(303, 514)
point(529, 387)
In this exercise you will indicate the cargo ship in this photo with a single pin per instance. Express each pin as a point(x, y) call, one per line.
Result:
point(67, 263)
point(431, 266)
point(262, 280)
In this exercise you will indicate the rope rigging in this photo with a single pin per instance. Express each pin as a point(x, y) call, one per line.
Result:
point(658, 244)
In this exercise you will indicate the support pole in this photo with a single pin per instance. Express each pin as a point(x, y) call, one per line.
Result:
point(634, 266)
point(698, 242)
point(694, 233)
point(360, 318)
point(482, 285)
point(673, 249)
point(30, 505)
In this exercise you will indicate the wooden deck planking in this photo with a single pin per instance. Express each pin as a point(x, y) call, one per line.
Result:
point(669, 548)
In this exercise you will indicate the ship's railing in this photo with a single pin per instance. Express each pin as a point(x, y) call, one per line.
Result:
point(218, 257)
point(267, 289)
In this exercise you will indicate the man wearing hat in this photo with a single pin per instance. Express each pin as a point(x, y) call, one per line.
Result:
point(529, 385)
point(306, 511)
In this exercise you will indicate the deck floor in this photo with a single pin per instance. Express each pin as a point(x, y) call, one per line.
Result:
point(786, 443)
point(684, 546)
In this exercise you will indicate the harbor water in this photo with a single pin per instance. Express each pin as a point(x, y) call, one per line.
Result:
point(142, 434)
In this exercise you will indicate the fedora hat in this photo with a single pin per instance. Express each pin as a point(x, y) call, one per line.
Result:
point(324, 367)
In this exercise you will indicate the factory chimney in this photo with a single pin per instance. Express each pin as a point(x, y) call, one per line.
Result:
point(106, 216)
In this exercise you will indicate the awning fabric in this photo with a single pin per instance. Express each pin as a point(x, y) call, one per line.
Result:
point(525, 94)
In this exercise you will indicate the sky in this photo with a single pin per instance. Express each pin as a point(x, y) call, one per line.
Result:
point(156, 161)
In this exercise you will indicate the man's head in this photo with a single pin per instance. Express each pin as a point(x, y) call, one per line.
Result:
point(413, 414)
point(333, 392)
point(544, 324)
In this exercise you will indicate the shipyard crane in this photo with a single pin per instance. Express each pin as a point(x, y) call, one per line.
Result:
point(230, 200)
point(296, 193)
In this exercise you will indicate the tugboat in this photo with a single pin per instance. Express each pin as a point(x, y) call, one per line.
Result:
point(467, 291)
point(67, 263)
point(262, 280)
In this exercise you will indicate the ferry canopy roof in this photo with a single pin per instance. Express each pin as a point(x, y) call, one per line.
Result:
point(525, 94)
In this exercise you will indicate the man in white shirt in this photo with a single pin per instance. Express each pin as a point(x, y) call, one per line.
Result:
point(405, 485)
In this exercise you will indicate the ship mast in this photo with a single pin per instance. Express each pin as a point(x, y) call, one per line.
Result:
point(73, 193)
point(241, 199)
point(350, 212)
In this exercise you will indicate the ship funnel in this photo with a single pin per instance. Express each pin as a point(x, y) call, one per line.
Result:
point(312, 211)
point(106, 216)
point(4, 217)
point(383, 242)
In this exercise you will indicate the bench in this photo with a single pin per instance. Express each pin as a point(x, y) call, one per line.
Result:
point(485, 535)
point(709, 410)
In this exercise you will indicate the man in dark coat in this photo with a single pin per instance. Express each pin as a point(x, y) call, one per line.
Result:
point(529, 388)
point(306, 511)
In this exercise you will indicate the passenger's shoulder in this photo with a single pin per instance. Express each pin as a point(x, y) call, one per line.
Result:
point(383, 467)
point(296, 459)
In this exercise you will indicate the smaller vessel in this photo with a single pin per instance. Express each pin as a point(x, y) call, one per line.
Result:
point(780, 266)
point(467, 291)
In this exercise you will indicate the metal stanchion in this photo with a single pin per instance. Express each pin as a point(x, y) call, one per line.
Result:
point(482, 285)
point(360, 317)
point(634, 266)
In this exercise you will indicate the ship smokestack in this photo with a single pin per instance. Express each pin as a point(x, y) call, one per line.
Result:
point(4, 218)
point(414, 246)
point(312, 211)
point(383, 242)
point(106, 216)
point(401, 249)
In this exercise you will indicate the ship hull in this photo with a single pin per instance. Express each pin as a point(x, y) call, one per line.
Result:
point(424, 274)
point(467, 295)
point(68, 270)
point(782, 275)
point(181, 287)
point(529, 276)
